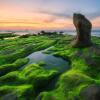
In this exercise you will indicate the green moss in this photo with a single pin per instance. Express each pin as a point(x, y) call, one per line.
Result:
point(13, 77)
point(69, 86)
point(80, 64)
point(14, 66)
point(28, 82)
point(41, 63)
point(23, 47)
point(35, 73)
point(20, 91)
point(45, 44)
point(71, 82)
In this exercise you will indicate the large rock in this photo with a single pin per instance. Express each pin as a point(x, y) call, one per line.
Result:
point(91, 92)
point(83, 27)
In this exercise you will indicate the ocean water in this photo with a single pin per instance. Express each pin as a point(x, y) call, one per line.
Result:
point(96, 33)
point(93, 33)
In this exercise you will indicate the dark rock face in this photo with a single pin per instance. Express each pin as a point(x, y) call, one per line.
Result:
point(91, 93)
point(83, 27)
point(9, 96)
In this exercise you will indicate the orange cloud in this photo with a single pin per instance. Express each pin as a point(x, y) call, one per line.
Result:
point(18, 18)
point(96, 22)
point(32, 25)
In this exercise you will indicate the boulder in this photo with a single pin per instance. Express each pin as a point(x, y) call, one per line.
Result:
point(83, 28)
point(91, 92)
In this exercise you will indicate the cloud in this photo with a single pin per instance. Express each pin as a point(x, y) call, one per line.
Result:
point(52, 16)
point(67, 14)
point(57, 14)
point(93, 15)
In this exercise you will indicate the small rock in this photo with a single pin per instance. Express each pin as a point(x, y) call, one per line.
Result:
point(9, 96)
point(91, 92)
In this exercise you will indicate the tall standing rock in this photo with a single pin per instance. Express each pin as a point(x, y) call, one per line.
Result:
point(83, 27)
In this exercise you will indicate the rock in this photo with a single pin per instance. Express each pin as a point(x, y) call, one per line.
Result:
point(91, 92)
point(83, 27)
point(9, 96)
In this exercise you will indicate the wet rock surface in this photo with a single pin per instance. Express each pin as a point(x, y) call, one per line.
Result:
point(9, 96)
point(91, 92)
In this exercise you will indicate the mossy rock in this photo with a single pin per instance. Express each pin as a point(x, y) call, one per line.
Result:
point(69, 86)
point(21, 91)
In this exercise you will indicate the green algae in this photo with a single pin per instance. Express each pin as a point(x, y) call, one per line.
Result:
point(28, 82)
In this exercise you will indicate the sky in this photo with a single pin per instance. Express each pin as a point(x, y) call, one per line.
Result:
point(46, 14)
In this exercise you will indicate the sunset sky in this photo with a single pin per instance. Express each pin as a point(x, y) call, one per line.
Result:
point(46, 14)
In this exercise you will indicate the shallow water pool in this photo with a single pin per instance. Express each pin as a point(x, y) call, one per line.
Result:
point(50, 61)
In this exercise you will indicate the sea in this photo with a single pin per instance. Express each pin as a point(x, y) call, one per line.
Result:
point(93, 33)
